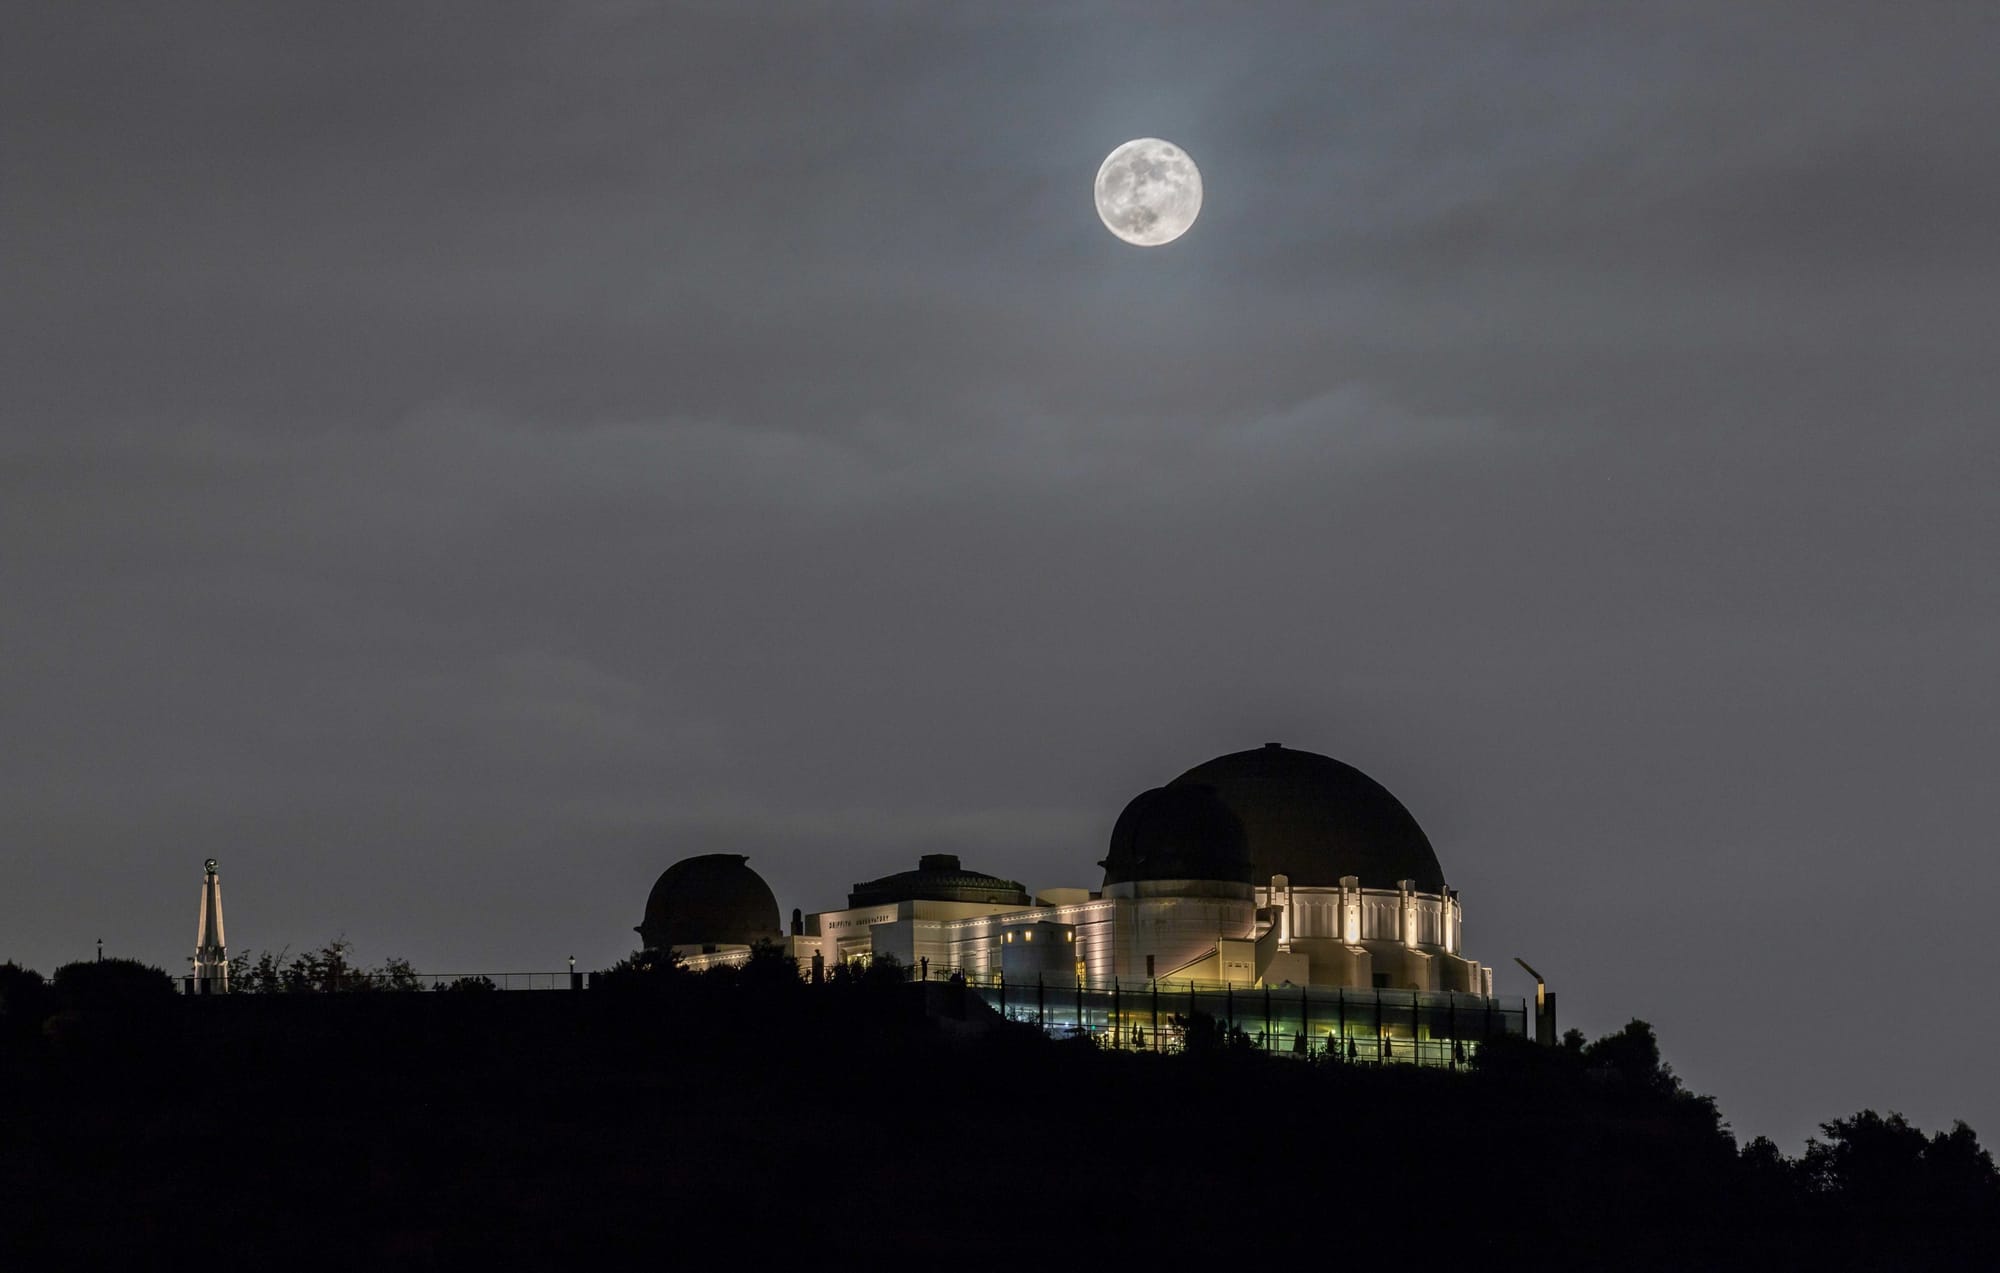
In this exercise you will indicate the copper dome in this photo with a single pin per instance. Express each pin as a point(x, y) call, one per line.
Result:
point(711, 900)
point(1178, 832)
point(1314, 819)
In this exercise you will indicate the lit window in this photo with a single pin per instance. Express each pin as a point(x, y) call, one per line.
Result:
point(1029, 935)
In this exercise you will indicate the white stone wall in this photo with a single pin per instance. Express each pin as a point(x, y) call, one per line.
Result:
point(1410, 940)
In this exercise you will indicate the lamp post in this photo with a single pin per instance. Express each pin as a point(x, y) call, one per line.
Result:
point(1545, 1007)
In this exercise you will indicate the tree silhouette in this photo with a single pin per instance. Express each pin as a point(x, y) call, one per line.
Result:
point(1595, 1147)
point(770, 969)
point(24, 1004)
point(110, 984)
point(395, 974)
point(22, 993)
point(1881, 1167)
point(331, 968)
point(105, 1008)
point(1203, 1035)
point(1631, 1058)
point(642, 969)
point(262, 975)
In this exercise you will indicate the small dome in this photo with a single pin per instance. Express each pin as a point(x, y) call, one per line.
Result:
point(1178, 832)
point(1314, 819)
point(711, 900)
point(939, 878)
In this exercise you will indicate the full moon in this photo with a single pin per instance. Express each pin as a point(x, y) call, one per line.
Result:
point(1148, 192)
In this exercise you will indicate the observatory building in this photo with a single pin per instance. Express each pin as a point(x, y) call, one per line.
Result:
point(1265, 868)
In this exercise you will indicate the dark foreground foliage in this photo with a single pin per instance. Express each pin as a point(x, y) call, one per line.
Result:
point(750, 1120)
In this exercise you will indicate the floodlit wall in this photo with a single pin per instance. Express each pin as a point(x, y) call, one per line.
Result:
point(1341, 936)
point(1039, 951)
point(851, 934)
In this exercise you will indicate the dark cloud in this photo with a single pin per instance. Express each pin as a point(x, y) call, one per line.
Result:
point(456, 463)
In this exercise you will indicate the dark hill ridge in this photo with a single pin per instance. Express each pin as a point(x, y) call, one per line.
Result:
point(780, 1121)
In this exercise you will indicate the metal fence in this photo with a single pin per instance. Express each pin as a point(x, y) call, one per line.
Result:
point(347, 979)
point(1366, 1026)
point(498, 980)
point(1373, 1026)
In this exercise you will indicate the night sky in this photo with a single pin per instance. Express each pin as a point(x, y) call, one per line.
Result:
point(455, 461)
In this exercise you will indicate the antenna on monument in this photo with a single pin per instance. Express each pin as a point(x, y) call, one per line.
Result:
point(211, 950)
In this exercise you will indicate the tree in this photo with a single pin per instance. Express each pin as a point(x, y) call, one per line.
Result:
point(1881, 1167)
point(24, 1003)
point(1630, 1059)
point(105, 1008)
point(642, 969)
point(395, 974)
point(1771, 1183)
point(22, 993)
point(331, 968)
point(770, 969)
point(1961, 1174)
point(1204, 1035)
point(882, 972)
point(110, 984)
point(264, 975)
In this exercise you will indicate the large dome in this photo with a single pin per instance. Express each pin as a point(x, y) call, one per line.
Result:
point(1177, 832)
point(711, 900)
point(1314, 819)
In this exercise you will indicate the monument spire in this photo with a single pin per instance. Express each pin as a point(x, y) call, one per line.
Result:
point(211, 952)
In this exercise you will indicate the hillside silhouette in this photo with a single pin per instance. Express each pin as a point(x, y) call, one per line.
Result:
point(757, 1119)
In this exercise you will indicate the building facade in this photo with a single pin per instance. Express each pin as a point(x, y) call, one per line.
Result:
point(1271, 868)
